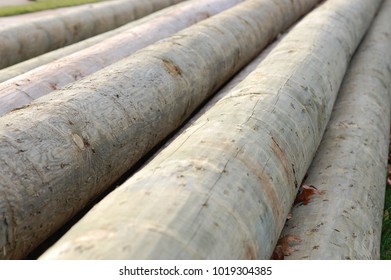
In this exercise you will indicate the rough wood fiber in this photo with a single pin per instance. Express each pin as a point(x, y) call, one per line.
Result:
point(239, 77)
point(25, 66)
point(28, 39)
point(223, 188)
point(45, 79)
point(67, 147)
point(351, 162)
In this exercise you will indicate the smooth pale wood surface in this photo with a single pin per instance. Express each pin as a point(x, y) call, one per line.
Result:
point(25, 66)
point(67, 147)
point(351, 162)
point(23, 89)
point(27, 39)
point(223, 188)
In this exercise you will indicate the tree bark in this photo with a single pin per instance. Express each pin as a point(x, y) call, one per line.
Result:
point(350, 166)
point(223, 188)
point(67, 147)
point(52, 32)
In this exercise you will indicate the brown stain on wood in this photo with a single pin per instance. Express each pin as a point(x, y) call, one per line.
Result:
point(76, 30)
point(255, 168)
point(265, 181)
point(280, 154)
point(172, 68)
point(250, 253)
point(53, 86)
point(201, 16)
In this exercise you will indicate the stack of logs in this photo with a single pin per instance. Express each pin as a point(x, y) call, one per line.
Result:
point(241, 152)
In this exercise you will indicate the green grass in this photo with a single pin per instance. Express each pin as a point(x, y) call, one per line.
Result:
point(386, 231)
point(41, 5)
point(385, 248)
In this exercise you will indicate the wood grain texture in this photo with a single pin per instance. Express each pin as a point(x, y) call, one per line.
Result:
point(45, 79)
point(66, 147)
point(223, 188)
point(27, 65)
point(350, 166)
point(51, 32)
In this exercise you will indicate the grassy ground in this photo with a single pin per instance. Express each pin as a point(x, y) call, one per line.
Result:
point(41, 5)
point(386, 231)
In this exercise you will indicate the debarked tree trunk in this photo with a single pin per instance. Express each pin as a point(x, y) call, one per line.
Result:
point(350, 167)
point(65, 148)
point(28, 39)
point(25, 88)
point(223, 188)
point(27, 65)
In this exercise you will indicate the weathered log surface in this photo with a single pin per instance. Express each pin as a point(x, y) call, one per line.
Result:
point(223, 188)
point(27, 65)
point(67, 147)
point(27, 39)
point(23, 89)
point(350, 166)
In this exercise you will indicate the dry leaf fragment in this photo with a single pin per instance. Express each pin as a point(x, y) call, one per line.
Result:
point(284, 248)
point(305, 192)
point(278, 253)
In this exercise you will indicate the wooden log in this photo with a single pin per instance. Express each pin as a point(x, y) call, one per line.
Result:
point(223, 188)
point(27, 65)
point(65, 148)
point(350, 166)
point(51, 32)
point(238, 78)
point(23, 89)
